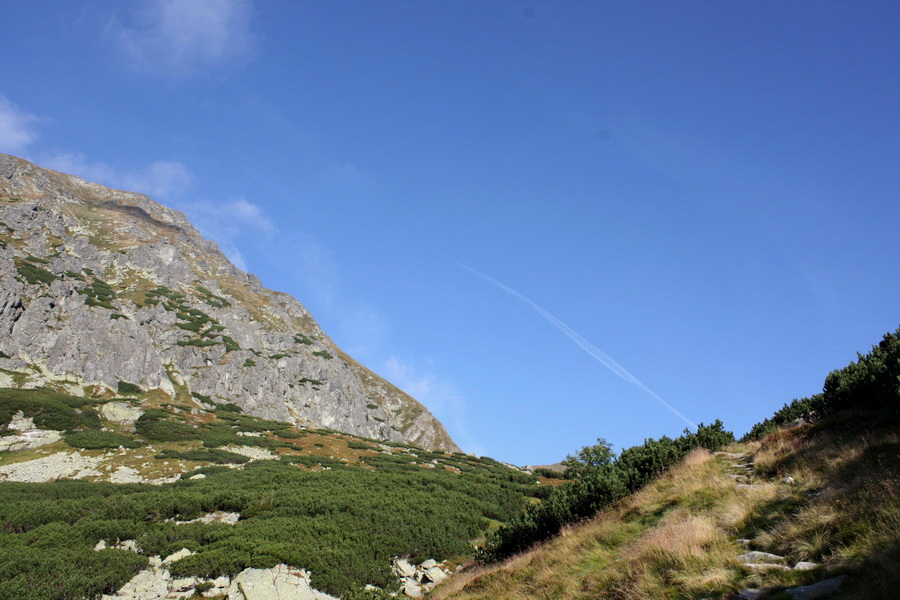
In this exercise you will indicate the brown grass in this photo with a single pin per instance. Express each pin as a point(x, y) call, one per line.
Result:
point(676, 538)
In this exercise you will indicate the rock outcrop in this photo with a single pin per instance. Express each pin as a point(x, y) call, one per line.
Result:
point(101, 288)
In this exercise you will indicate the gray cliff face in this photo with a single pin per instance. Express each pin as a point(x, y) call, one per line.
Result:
point(100, 286)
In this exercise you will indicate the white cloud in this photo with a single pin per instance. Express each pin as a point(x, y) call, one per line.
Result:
point(176, 37)
point(439, 395)
point(161, 180)
point(15, 127)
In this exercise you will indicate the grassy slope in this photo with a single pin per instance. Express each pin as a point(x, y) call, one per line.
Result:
point(677, 538)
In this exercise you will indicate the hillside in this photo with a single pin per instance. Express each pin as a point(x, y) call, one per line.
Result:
point(96, 492)
point(100, 288)
point(809, 510)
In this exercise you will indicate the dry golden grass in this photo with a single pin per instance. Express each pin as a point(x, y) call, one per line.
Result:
point(677, 538)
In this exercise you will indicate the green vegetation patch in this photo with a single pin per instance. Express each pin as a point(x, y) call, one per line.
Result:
point(98, 293)
point(34, 274)
point(213, 455)
point(129, 389)
point(212, 299)
point(323, 354)
point(97, 440)
point(48, 409)
point(159, 426)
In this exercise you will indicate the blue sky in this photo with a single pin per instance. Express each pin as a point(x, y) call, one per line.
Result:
point(475, 198)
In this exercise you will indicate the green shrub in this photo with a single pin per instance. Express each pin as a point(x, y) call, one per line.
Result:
point(156, 425)
point(322, 353)
point(48, 409)
point(214, 455)
point(129, 389)
point(34, 274)
point(96, 440)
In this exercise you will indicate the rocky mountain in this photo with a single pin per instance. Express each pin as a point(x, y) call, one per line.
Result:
point(106, 292)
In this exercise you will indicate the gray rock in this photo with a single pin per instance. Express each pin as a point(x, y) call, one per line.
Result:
point(823, 589)
point(270, 357)
point(120, 412)
point(766, 567)
point(434, 575)
point(750, 594)
point(403, 569)
point(176, 556)
point(410, 588)
point(278, 583)
point(760, 557)
point(805, 566)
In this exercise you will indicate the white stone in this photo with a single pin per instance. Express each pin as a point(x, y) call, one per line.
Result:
point(278, 583)
point(120, 412)
point(757, 557)
point(410, 588)
point(197, 476)
point(805, 566)
point(176, 556)
point(403, 568)
point(434, 575)
point(429, 564)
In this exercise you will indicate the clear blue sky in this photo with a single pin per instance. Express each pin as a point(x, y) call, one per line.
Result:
point(706, 192)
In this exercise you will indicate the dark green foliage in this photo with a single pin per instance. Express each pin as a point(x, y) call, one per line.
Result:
point(48, 409)
point(789, 413)
point(359, 445)
point(248, 423)
point(302, 339)
point(312, 460)
point(212, 299)
point(73, 275)
point(96, 440)
point(230, 344)
point(371, 406)
point(249, 362)
point(202, 397)
point(156, 425)
point(322, 353)
point(129, 389)
point(343, 524)
point(588, 458)
point(99, 294)
point(34, 274)
point(227, 407)
point(305, 380)
point(279, 355)
point(118, 316)
point(599, 486)
point(197, 342)
point(872, 383)
point(214, 455)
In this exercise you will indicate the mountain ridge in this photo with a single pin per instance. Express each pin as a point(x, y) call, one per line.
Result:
point(103, 286)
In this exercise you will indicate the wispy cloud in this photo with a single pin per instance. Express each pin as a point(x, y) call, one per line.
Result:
point(16, 132)
point(439, 394)
point(161, 180)
point(595, 352)
point(176, 37)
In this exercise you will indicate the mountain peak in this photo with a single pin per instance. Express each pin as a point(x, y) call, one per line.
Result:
point(102, 287)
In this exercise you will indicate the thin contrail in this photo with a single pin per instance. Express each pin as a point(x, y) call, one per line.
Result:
point(595, 352)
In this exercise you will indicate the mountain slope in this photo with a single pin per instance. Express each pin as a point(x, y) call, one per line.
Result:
point(810, 510)
point(101, 289)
